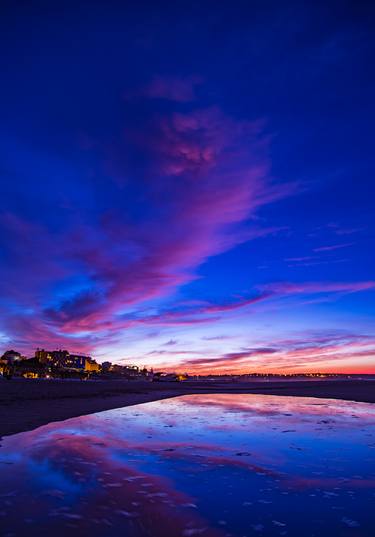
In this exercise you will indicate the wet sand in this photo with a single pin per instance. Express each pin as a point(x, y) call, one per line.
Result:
point(27, 404)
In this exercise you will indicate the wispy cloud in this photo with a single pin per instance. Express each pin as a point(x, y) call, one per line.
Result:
point(332, 247)
point(170, 342)
point(230, 358)
point(300, 259)
point(290, 288)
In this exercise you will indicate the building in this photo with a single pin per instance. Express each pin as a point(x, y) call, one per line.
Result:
point(52, 358)
point(91, 366)
point(126, 371)
point(30, 368)
point(44, 357)
point(74, 361)
point(63, 359)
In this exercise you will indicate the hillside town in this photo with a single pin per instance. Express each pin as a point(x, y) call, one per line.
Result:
point(64, 364)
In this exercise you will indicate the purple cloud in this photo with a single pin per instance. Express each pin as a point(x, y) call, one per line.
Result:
point(206, 175)
point(228, 359)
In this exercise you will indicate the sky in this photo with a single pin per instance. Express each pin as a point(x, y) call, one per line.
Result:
point(189, 186)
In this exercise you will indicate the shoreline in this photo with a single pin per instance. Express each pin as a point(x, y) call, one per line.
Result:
point(28, 404)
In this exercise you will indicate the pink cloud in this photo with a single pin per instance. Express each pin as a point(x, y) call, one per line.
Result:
point(31, 331)
point(309, 352)
point(231, 357)
point(209, 174)
point(82, 320)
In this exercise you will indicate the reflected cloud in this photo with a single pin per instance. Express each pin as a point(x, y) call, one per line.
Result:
point(192, 465)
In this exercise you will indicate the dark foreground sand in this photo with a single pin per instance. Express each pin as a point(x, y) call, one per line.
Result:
point(27, 404)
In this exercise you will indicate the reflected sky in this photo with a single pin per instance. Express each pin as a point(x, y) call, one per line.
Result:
point(207, 465)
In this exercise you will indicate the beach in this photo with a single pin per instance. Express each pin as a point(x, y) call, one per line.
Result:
point(28, 404)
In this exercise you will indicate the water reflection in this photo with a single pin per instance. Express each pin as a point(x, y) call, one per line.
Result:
point(207, 465)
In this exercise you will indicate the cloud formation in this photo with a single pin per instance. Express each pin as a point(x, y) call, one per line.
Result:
point(304, 352)
point(203, 175)
point(162, 192)
point(332, 247)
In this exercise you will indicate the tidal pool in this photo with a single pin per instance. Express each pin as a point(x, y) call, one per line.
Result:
point(197, 465)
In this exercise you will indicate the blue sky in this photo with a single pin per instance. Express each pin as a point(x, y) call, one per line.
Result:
point(189, 187)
